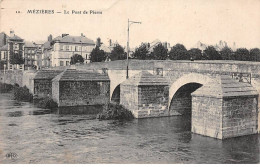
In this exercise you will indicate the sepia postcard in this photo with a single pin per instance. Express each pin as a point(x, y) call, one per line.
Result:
point(129, 81)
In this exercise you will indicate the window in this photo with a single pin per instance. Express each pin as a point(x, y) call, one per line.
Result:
point(21, 67)
point(159, 71)
point(61, 63)
point(104, 70)
point(76, 48)
point(67, 63)
point(67, 48)
point(33, 51)
point(11, 67)
point(16, 46)
point(86, 56)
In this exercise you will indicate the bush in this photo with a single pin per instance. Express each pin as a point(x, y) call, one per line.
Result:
point(22, 94)
point(115, 111)
point(5, 88)
point(47, 103)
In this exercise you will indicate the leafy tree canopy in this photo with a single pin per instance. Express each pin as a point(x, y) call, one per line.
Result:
point(255, 54)
point(242, 54)
point(195, 54)
point(118, 53)
point(97, 55)
point(178, 52)
point(159, 53)
point(226, 53)
point(76, 58)
point(210, 53)
point(141, 52)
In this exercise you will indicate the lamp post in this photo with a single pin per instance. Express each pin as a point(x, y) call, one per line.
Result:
point(129, 24)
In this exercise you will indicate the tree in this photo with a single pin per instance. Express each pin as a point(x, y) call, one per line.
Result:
point(16, 58)
point(242, 54)
point(195, 54)
point(97, 55)
point(210, 53)
point(159, 53)
point(178, 52)
point(255, 54)
point(141, 52)
point(118, 53)
point(76, 58)
point(226, 53)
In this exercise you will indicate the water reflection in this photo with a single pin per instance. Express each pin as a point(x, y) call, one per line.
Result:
point(44, 136)
point(14, 114)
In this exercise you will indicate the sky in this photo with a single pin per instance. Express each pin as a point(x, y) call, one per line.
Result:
point(172, 21)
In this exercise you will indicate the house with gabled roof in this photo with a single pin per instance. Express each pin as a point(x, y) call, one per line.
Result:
point(65, 46)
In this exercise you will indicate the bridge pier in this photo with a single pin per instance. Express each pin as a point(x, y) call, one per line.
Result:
point(145, 95)
point(225, 109)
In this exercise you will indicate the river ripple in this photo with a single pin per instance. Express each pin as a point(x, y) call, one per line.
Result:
point(43, 136)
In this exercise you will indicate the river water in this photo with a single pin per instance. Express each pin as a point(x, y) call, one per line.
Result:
point(35, 135)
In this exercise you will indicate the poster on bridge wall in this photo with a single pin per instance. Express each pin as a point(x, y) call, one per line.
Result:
point(129, 82)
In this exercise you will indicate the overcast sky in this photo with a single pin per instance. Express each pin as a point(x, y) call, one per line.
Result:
point(174, 21)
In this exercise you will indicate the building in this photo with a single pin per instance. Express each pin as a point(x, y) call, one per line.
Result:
point(3, 39)
point(46, 53)
point(43, 84)
point(30, 57)
point(80, 88)
point(15, 46)
point(65, 46)
point(3, 53)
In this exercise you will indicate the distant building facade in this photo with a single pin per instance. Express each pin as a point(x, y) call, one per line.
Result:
point(65, 46)
point(30, 57)
point(15, 45)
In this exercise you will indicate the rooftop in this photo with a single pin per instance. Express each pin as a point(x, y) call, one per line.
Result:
point(225, 86)
point(74, 39)
point(29, 44)
point(15, 37)
point(77, 75)
point(145, 78)
point(47, 74)
point(4, 48)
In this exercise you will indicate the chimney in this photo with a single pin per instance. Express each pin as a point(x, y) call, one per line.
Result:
point(110, 42)
point(165, 45)
point(98, 43)
point(5, 39)
point(64, 35)
point(11, 33)
point(50, 38)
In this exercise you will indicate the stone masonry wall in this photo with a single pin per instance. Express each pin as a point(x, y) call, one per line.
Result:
point(240, 116)
point(55, 91)
point(152, 101)
point(43, 87)
point(28, 77)
point(129, 96)
point(76, 93)
point(12, 77)
point(207, 116)
point(180, 105)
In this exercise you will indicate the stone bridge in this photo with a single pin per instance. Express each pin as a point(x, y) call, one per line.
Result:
point(229, 90)
point(221, 96)
point(179, 73)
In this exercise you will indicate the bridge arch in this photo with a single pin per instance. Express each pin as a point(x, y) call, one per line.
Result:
point(180, 92)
